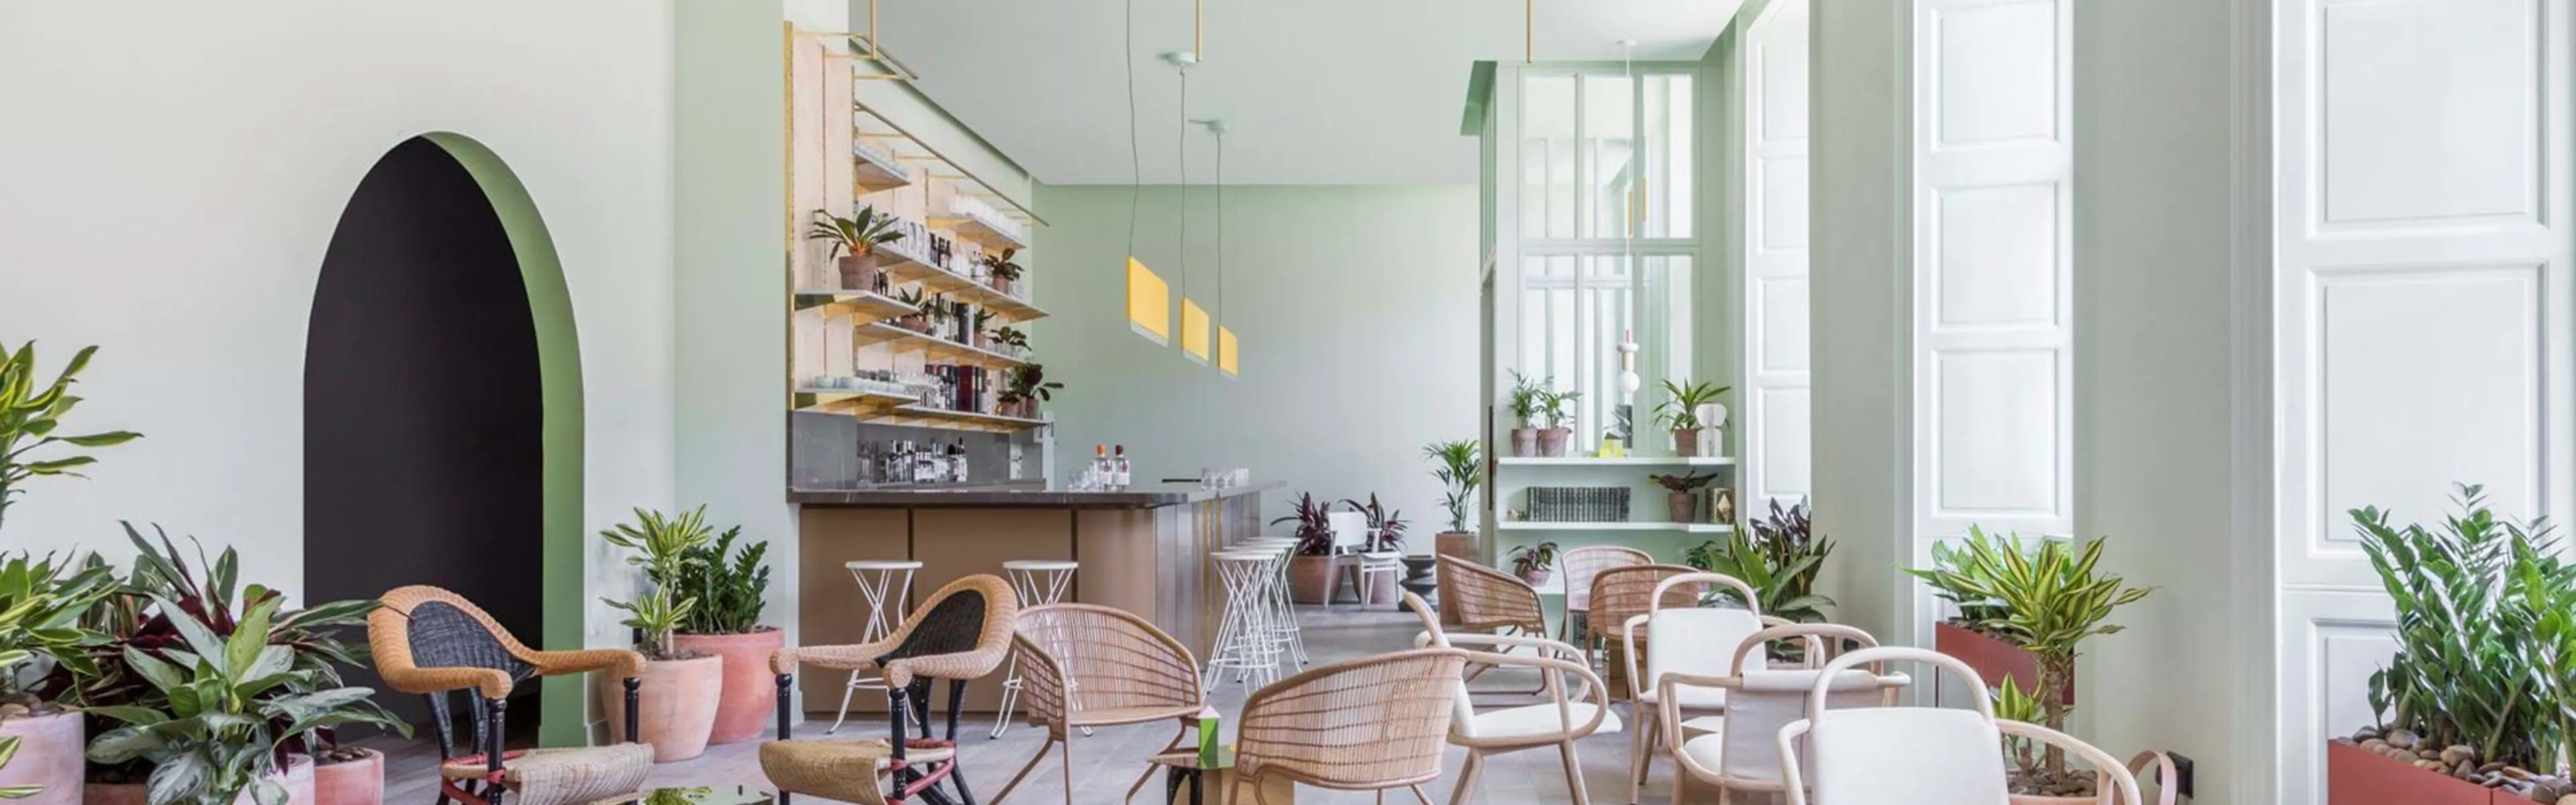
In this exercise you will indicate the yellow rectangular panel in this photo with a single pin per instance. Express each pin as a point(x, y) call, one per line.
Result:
point(1225, 351)
point(1194, 330)
point(1149, 303)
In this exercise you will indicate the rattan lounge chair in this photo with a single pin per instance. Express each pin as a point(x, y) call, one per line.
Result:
point(1564, 718)
point(1084, 665)
point(1582, 564)
point(1370, 724)
point(962, 632)
point(1476, 598)
point(433, 642)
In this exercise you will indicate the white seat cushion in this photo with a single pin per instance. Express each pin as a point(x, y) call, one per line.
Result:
point(1914, 755)
point(1704, 750)
point(1694, 697)
point(1534, 719)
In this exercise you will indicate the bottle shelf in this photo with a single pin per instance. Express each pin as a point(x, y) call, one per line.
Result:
point(1685, 528)
point(836, 302)
point(923, 416)
point(1621, 461)
point(933, 348)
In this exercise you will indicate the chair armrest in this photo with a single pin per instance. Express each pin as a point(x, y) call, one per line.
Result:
point(850, 657)
point(2103, 763)
point(2166, 772)
point(493, 684)
point(1669, 702)
point(1561, 649)
point(958, 665)
point(1791, 780)
point(1628, 641)
point(1598, 693)
point(628, 664)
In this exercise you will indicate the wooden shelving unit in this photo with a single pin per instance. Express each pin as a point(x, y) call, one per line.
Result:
point(849, 400)
point(1622, 461)
point(874, 172)
point(933, 349)
point(987, 234)
point(836, 302)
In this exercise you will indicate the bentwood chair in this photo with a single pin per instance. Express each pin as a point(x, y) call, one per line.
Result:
point(1680, 636)
point(1620, 593)
point(1083, 665)
point(1581, 565)
point(961, 633)
point(1745, 756)
point(1368, 724)
point(1915, 755)
point(432, 642)
point(1566, 716)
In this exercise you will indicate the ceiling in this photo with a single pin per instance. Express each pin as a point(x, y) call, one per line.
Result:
point(1312, 91)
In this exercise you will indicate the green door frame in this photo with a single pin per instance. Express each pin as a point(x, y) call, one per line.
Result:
point(563, 718)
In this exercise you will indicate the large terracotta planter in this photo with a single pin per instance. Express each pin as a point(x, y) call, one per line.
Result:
point(351, 782)
point(679, 705)
point(298, 780)
point(1461, 544)
point(1306, 577)
point(1524, 442)
point(858, 272)
point(1993, 659)
point(1552, 441)
point(50, 754)
point(750, 690)
point(2357, 776)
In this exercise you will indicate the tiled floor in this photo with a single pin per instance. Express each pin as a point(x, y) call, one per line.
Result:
point(1107, 762)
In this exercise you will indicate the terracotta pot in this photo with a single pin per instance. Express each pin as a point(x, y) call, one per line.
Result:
point(1551, 441)
point(2357, 776)
point(352, 782)
point(1993, 659)
point(1382, 590)
point(1461, 544)
point(679, 705)
point(750, 690)
point(983, 340)
point(1306, 576)
point(49, 754)
point(2035, 799)
point(1685, 441)
point(858, 271)
point(298, 779)
point(1537, 577)
point(1684, 506)
point(1524, 442)
point(916, 322)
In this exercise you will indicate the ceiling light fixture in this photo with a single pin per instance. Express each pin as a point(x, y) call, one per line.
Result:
point(1194, 318)
point(1149, 298)
point(1225, 343)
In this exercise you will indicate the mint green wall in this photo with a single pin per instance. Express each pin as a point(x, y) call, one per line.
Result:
point(1356, 308)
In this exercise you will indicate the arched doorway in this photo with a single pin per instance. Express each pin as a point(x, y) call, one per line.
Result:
point(442, 430)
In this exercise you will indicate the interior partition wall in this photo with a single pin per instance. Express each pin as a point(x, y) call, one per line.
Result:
point(1771, 69)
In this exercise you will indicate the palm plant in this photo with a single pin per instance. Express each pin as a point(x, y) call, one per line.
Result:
point(1529, 399)
point(729, 586)
point(1460, 470)
point(2475, 598)
point(854, 236)
point(2048, 601)
point(1680, 408)
point(1560, 406)
point(664, 548)
point(29, 418)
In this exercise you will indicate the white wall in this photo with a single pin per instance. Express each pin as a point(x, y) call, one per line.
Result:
point(175, 173)
point(1356, 310)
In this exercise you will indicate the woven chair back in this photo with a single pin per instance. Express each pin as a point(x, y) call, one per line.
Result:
point(1584, 563)
point(1115, 659)
point(962, 632)
point(1359, 725)
point(1474, 597)
point(1622, 592)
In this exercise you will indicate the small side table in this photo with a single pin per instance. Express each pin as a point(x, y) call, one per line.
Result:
point(1210, 784)
point(702, 795)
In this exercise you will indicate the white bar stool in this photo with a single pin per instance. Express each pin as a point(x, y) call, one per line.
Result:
point(1038, 582)
point(1244, 640)
point(886, 584)
point(1283, 625)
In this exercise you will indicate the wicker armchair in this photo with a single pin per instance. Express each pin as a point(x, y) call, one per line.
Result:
point(432, 642)
point(1744, 757)
point(1582, 564)
point(1083, 665)
point(1370, 724)
point(1566, 716)
point(1476, 598)
point(961, 633)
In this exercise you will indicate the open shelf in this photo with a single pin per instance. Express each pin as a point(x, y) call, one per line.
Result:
point(849, 400)
point(1622, 461)
point(874, 172)
point(836, 303)
point(1684, 528)
point(988, 234)
point(937, 350)
point(923, 416)
point(902, 269)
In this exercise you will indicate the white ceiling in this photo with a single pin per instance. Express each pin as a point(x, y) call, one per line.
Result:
point(1313, 91)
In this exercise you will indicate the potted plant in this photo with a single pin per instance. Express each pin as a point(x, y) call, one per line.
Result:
point(1385, 533)
point(935, 315)
point(2045, 601)
point(1023, 388)
point(1529, 402)
point(730, 588)
point(1460, 471)
point(1010, 341)
point(344, 774)
point(2477, 698)
point(40, 608)
point(1000, 272)
point(1534, 563)
point(1680, 411)
point(680, 690)
point(1313, 564)
point(1560, 414)
point(1779, 558)
point(919, 319)
point(853, 241)
point(36, 415)
point(983, 337)
point(1682, 493)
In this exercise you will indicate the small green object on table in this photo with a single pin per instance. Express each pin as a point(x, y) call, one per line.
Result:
point(1211, 783)
point(704, 795)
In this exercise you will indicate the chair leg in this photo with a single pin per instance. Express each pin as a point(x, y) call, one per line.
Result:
point(1032, 765)
point(1573, 774)
point(1417, 794)
point(1467, 779)
point(847, 689)
point(1637, 743)
point(1148, 776)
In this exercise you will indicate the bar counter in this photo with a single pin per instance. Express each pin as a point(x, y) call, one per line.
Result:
point(1142, 549)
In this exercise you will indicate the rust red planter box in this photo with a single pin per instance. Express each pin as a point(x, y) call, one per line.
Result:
point(1993, 659)
point(2357, 776)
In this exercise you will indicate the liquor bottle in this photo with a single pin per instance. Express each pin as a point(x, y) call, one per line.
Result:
point(1099, 472)
point(1118, 471)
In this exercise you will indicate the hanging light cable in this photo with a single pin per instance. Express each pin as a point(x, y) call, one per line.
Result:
point(1194, 319)
point(1149, 298)
point(1225, 355)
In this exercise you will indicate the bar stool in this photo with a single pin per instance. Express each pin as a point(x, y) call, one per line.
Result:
point(886, 584)
point(1243, 640)
point(1038, 582)
point(1283, 627)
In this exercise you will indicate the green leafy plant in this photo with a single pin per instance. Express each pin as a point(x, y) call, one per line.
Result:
point(2012, 703)
point(1529, 399)
point(1680, 408)
point(1011, 337)
point(854, 236)
point(8, 752)
point(1386, 528)
point(1955, 579)
point(2482, 632)
point(729, 586)
point(2047, 600)
point(1528, 559)
point(1779, 558)
point(1692, 482)
point(30, 418)
point(983, 320)
point(1028, 381)
point(41, 605)
point(664, 547)
point(1000, 267)
point(1460, 470)
point(1560, 407)
point(232, 707)
point(1314, 525)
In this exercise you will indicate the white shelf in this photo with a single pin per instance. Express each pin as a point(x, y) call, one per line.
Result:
point(1688, 528)
point(1622, 461)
